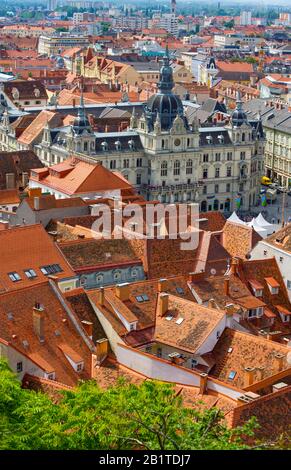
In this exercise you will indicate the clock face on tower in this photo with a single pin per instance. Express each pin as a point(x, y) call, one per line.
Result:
point(177, 142)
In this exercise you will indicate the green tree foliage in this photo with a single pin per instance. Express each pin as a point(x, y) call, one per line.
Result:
point(148, 416)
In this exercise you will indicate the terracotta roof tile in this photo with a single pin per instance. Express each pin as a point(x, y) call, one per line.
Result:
point(28, 247)
point(45, 354)
point(82, 178)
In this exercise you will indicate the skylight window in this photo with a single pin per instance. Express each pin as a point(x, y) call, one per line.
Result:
point(30, 273)
point(180, 290)
point(51, 269)
point(142, 298)
point(179, 321)
point(169, 317)
point(232, 375)
point(14, 277)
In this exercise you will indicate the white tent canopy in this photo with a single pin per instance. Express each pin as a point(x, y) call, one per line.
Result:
point(258, 228)
point(263, 222)
point(235, 218)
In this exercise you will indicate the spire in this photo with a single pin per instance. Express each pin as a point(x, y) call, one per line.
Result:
point(81, 110)
point(166, 82)
point(239, 102)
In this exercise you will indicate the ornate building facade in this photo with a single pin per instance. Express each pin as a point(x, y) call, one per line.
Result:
point(166, 157)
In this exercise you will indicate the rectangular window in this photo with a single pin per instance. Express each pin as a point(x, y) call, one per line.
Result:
point(205, 173)
point(205, 158)
point(216, 188)
point(288, 284)
point(138, 178)
point(30, 273)
point(139, 162)
point(228, 171)
point(229, 156)
point(51, 269)
point(217, 157)
point(228, 187)
point(217, 171)
point(126, 163)
point(19, 367)
point(204, 189)
point(14, 277)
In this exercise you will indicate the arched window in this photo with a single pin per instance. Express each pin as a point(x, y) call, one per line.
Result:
point(164, 168)
point(112, 164)
point(189, 167)
point(243, 137)
point(176, 168)
point(163, 144)
point(203, 206)
point(117, 276)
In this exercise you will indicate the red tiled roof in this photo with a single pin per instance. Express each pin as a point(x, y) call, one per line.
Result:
point(28, 247)
point(82, 178)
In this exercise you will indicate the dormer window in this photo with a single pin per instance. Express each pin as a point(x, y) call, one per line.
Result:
point(80, 366)
point(118, 145)
point(273, 285)
point(284, 313)
point(257, 288)
point(104, 146)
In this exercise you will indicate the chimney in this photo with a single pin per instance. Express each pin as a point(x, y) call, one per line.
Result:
point(122, 291)
point(36, 203)
point(249, 376)
point(88, 327)
point(38, 320)
point(101, 296)
point(233, 266)
point(163, 304)
point(226, 286)
point(102, 347)
point(279, 361)
point(261, 372)
point(212, 303)
point(4, 224)
point(162, 285)
point(203, 383)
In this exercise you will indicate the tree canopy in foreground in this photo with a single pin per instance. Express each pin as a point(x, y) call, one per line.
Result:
point(149, 416)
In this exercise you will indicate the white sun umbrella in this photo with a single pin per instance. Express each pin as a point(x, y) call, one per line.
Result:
point(235, 218)
point(263, 222)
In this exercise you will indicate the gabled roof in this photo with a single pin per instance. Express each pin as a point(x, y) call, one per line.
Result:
point(9, 196)
point(239, 239)
point(82, 254)
point(28, 247)
point(34, 130)
point(27, 90)
point(80, 177)
point(144, 312)
point(246, 351)
point(190, 333)
point(46, 202)
point(281, 239)
point(17, 328)
point(21, 161)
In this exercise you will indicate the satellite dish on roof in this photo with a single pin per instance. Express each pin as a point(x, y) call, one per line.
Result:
point(213, 271)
